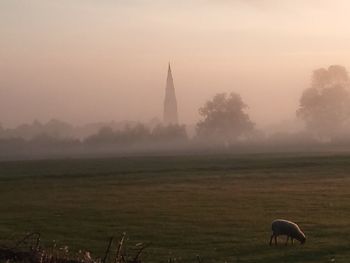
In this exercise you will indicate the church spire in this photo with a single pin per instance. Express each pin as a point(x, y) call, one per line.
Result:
point(170, 104)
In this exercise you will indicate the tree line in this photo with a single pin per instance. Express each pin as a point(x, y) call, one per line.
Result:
point(324, 108)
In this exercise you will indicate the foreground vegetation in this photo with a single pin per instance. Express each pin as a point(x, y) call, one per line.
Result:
point(219, 207)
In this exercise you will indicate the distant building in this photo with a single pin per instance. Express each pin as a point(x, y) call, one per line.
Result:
point(170, 104)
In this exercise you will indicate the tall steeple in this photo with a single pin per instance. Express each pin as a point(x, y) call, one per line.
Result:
point(170, 104)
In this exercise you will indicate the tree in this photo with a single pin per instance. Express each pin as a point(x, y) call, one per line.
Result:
point(138, 133)
point(106, 135)
point(224, 118)
point(325, 106)
point(170, 133)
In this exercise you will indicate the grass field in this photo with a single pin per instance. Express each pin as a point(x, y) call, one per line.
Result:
point(219, 207)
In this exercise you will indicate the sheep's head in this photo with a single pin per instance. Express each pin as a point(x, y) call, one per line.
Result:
point(302, 238)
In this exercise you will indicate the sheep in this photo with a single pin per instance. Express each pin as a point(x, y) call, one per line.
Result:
point(288, 228)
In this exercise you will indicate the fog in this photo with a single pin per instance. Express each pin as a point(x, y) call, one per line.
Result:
point(85, 61)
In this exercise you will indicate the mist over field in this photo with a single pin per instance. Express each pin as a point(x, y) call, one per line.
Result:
point(135, 131)
point(322, 123)
point(87, 61)
point(86, 72)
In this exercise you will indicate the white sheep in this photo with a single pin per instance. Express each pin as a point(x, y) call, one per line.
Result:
point(287, 228)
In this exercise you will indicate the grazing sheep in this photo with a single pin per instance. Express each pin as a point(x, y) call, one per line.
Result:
point(287, 228)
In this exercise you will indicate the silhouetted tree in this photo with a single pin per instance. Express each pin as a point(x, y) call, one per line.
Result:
point(130, 135)
point(169, 133)
point(104, 135)
point(325, 106)
point(135, 134)
point(54, 128)
point(224, 118)
point(58, 129)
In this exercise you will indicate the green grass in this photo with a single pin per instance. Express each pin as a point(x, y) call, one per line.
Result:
point(220, 207)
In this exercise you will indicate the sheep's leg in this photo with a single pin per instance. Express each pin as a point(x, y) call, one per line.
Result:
point(292, 241)
point(271, 239)
point(287, 240)
point(275, 240)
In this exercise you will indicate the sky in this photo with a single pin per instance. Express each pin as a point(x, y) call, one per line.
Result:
point(86, 61)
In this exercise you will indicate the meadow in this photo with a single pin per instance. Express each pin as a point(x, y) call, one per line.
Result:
point(217, 206)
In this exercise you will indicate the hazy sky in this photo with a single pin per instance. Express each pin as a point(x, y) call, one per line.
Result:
point(85, 61)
